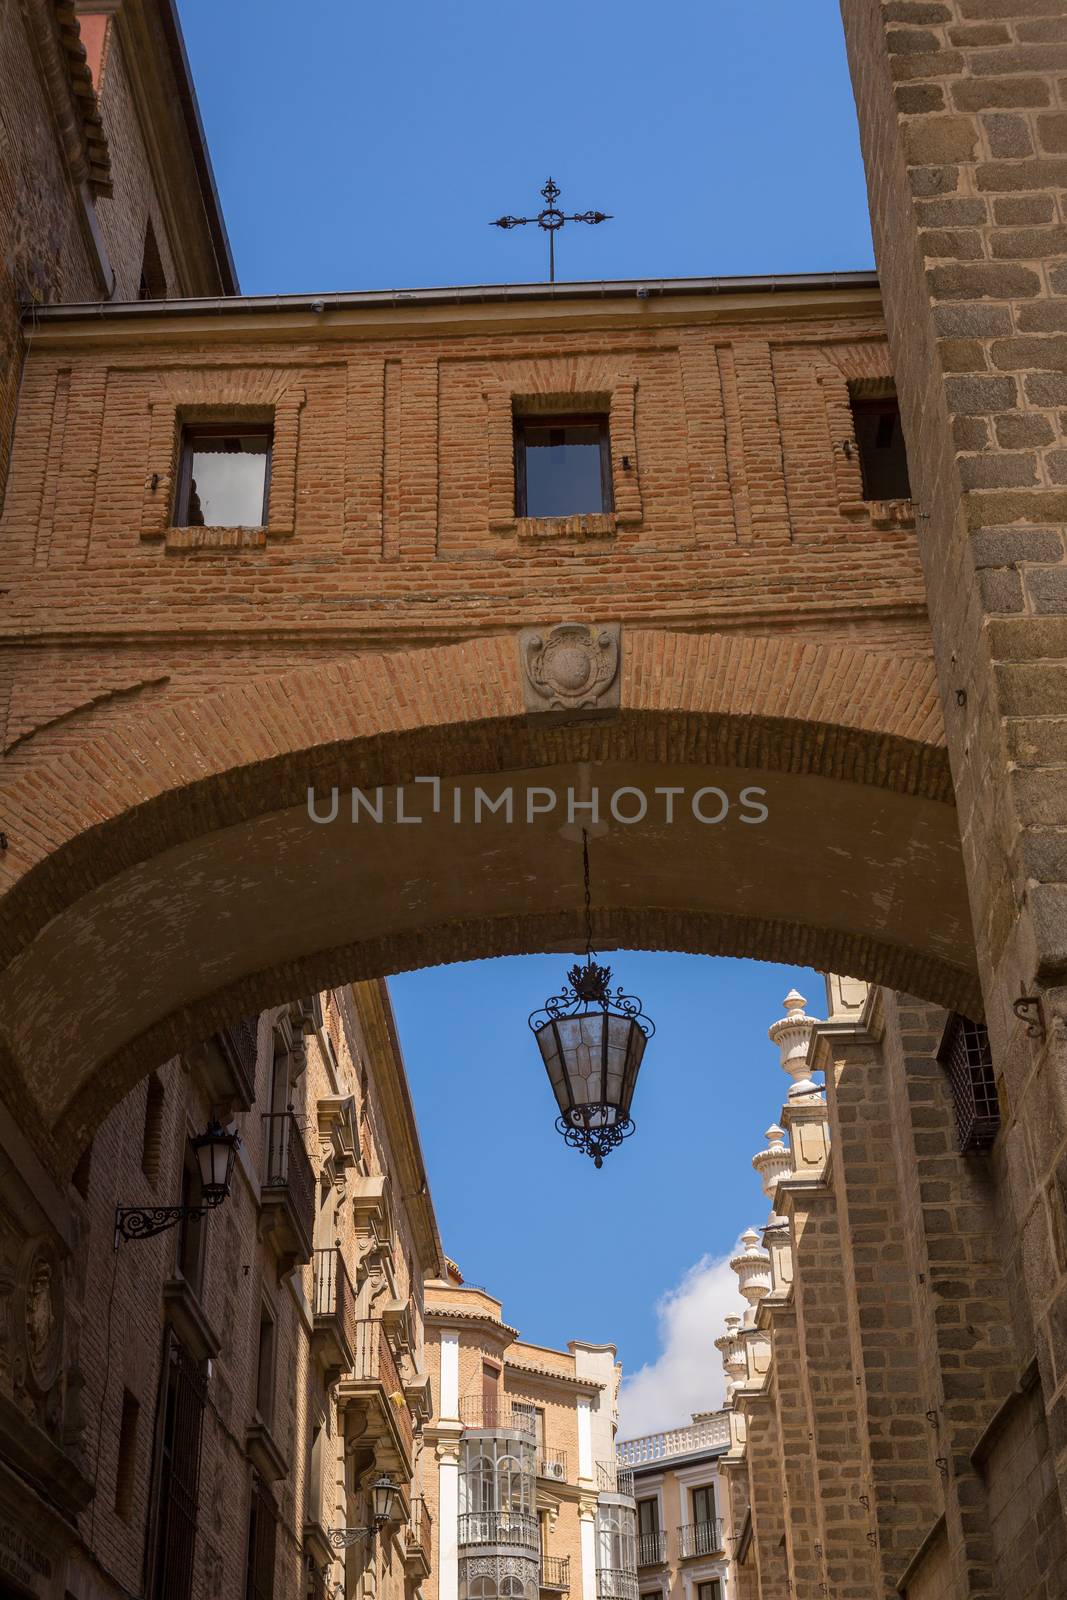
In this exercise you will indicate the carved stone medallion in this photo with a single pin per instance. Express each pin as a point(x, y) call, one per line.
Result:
point(39, 1313)
point(571, 667)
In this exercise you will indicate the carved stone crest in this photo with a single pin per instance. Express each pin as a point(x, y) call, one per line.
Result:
point(571, 667)
point(40, 1312)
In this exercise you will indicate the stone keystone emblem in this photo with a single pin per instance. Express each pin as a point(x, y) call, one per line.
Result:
point(571, 667)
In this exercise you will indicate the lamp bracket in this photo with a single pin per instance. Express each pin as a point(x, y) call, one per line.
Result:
point(141, 1222)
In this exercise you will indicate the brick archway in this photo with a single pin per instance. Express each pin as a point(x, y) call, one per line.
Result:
point(174, 851)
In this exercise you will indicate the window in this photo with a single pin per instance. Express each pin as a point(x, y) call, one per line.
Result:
point(224, 476)
point(710, 1591)
point(648, 1516)
point(562, 466)
point(262, 1530)
point(191, 1229)
point(966, 1057)
point(615, 1536)
point(125, 1471)
point(152, 1134)
point(880, 441)
point(490, 1386)
point(81, 1175)
point(265, 1367)
point(179, 1475)
point(704, 1504)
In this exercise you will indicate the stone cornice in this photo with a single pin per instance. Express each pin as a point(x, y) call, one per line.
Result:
point(375, 1013)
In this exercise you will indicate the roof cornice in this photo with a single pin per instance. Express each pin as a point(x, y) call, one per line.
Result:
point(479, 309)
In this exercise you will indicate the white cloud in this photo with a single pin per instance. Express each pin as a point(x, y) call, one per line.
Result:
point(687, 1374)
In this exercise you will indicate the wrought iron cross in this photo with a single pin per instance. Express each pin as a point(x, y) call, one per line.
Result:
point(551, 219)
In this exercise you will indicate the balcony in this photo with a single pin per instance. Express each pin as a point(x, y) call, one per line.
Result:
point(613, 1584)
point(226, 1067)
point(556, 1574)
point(652, 1549)
point(334, 1337)
point(613, 1479)
point(418, 1546)
point(288, 1191)
point(477, 1411)
point(517, 1529)
point(552, 1464)
point(374, 1387)
point(700, 1539)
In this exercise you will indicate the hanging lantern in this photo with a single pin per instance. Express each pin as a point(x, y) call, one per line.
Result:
point(592, 1041)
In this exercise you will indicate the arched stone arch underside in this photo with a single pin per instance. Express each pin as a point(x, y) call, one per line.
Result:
point(166, 876)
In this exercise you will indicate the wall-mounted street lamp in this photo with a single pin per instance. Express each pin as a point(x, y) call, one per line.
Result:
point(383, 1493)
point(592, 1040)
point(216, 1151)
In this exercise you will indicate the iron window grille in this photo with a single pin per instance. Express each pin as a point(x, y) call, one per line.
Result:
point(262, 1539)
point(577, 484)
point(966, 1057)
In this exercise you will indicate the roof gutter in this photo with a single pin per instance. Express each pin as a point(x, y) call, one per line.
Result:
point(475, 294)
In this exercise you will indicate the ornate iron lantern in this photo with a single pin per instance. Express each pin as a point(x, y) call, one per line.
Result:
point(216, 1151)
point(592, 1040)
point(384, 1494)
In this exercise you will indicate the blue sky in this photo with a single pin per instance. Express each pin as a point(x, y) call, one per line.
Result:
point(577, 1253)
point(368, 146)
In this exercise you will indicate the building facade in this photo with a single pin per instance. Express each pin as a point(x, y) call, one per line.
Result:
point(866, 1452)
point(681, 1531)
point(231, 1386)
point(529, 1500)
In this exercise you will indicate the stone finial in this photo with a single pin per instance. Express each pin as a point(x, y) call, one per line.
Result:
point(733, 1355)
point(773, 1163)
point(791, 1034)
point(753, 1268)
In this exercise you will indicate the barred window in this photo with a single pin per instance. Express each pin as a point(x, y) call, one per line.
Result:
point(966, 1057)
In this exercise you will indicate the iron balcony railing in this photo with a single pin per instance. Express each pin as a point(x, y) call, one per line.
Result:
point(613, 1479)
point(477, 1411)
point(519, 1529)
point(335, 1300)
point(374, 1364)
point(552, 1464)
point(286, 1164)
point(613, 1584)
point(556, 1573)
point(700, 1538)
point(652, 1549)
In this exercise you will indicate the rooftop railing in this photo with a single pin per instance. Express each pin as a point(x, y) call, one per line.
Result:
point(709, 1435)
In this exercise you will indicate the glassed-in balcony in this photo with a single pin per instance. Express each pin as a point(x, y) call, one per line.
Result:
point(517, 1528)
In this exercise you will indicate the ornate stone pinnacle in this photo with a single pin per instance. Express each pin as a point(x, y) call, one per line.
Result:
point(753, 1268)
point(791, 1034)
point(773, 1163)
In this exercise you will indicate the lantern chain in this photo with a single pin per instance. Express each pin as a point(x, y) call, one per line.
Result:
point(588, 897)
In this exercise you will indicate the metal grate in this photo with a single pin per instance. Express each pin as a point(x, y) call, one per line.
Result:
point(966, 1057)
point(183, 1413)
point(262, 1535)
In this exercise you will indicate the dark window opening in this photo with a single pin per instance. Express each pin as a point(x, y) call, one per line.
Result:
point(262, 1528)
point(179, 1476)
point(224, 476)
point(265, 1367)
point(191, 1228)
point(152, 1135)
point(704, 1505)
point(153, 284)
point(80, 1177)
point(562, 466)
point(648, 1516)
point(880, 442)
point(967, 1059)
point(126, 1470)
